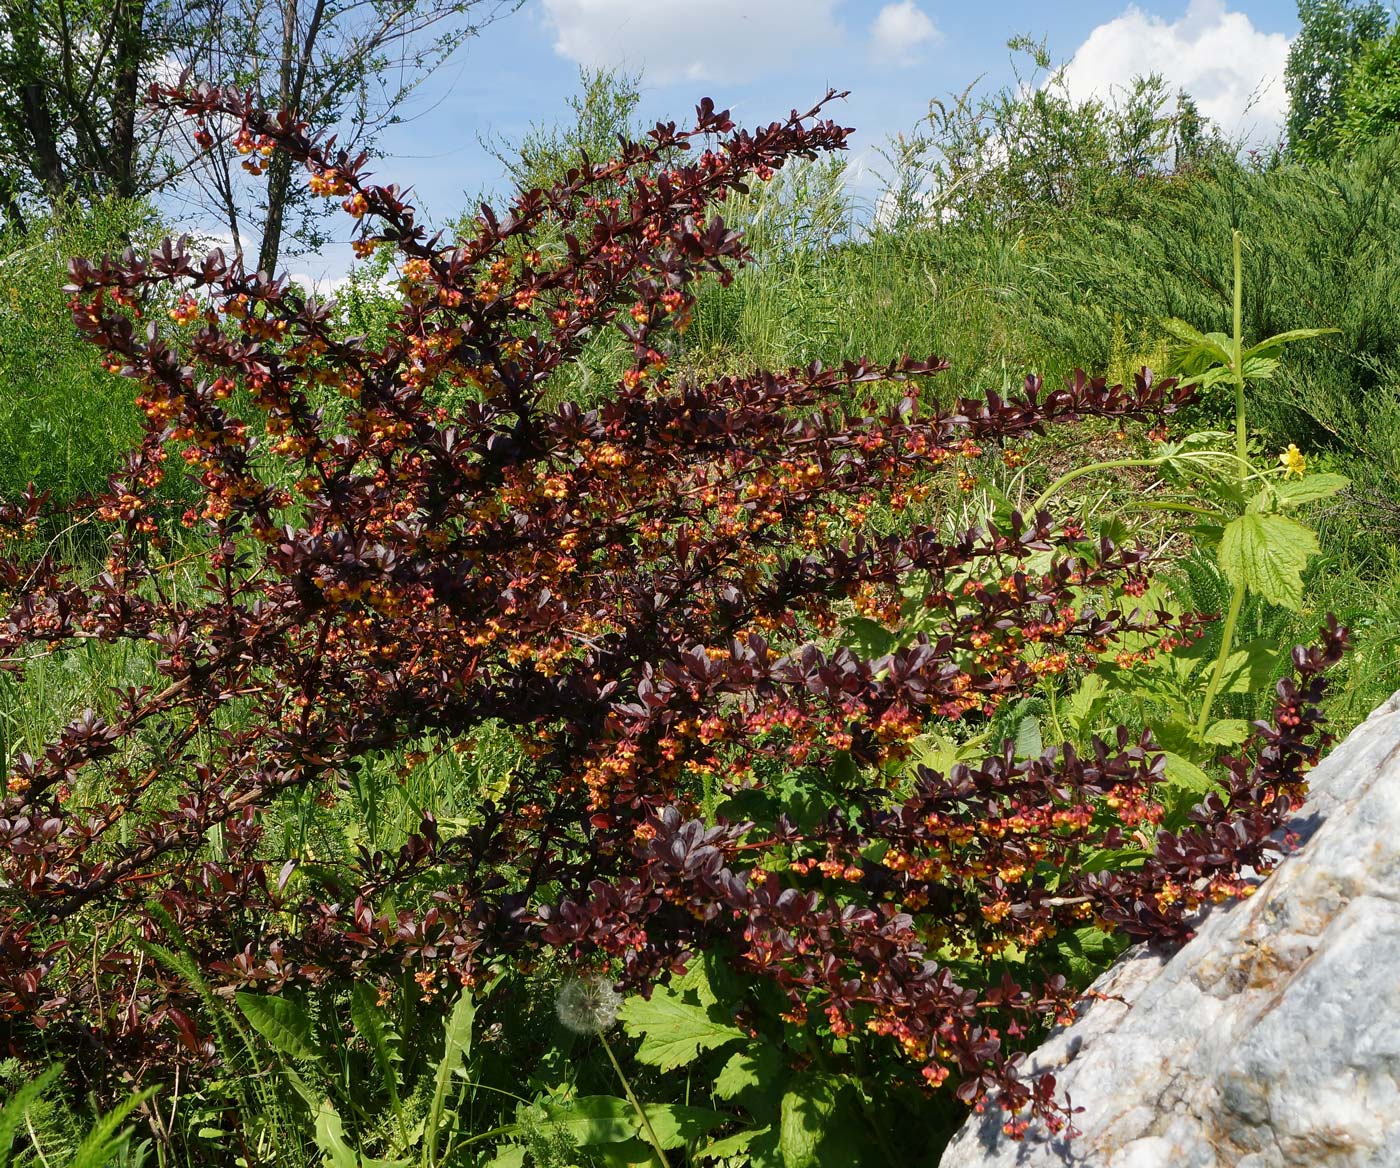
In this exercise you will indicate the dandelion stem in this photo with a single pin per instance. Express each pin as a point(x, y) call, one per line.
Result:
point(637, 1107)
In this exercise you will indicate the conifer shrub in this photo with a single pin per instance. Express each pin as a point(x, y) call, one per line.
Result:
point(717, 679)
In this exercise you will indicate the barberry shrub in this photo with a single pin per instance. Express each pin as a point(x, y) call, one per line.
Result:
point(402, 542)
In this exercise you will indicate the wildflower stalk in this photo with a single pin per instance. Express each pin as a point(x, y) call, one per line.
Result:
point(636, 1106)
point(589, 1005)
point(1227, 637)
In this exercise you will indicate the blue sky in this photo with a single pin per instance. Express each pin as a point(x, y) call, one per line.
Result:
point(762, 57)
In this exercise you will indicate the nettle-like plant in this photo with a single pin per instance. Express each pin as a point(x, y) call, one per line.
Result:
point(653, 596)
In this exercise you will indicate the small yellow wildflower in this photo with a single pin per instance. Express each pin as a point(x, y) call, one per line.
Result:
point(1294, 464)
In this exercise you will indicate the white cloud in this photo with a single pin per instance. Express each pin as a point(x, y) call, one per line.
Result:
point(677, 40)
point(900, 33)
point(1233, 70)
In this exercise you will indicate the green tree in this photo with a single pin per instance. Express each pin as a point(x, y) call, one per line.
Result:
point(604, 112)
point(75, 125)
point(343, 65)
point(72, 80)
point(1372, 95)
point(1332, 37)
point(1035, 147)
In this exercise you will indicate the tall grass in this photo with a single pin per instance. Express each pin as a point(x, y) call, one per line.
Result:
point(64, 420)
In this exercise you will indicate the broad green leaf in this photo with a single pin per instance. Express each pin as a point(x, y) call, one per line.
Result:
point(755, 1066)
point(1228, 490)
point(1249, 669)
point(940, 753)
point(628, 1154)
point(1308, 489)
point(676, 1125)
point(1207, 535)
point(869, 638)
point(1028, 740)
point(1187, 775)
point(299, 1085)
point(1083, 706)
point(456, 1046)
point(804, 1118)
point(1199, 350)
point(595, 1119)
point(1098, 944)
point(1001, 507)
point(674, 1032)
point(1227, 732)
point(285, 1025)
point(1259, 368)
point(1185, 786)
point(696, 981)
point(1088, 951)
point(1209, 377)
point(1111, 859)
point(1267, 554)
point(1270, 345)
point(330, 1138)
point(730, 1145)
point(1174, 735)
point(511, 1156)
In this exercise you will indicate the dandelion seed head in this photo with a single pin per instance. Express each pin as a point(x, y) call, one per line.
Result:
point(587, 1004)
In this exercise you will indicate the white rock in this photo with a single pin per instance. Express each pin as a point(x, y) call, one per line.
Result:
point(1271, 1039)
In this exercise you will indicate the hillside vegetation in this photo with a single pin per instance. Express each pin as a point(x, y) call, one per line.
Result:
point(487, 720)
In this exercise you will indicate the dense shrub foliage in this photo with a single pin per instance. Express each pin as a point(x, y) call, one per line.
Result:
point(716, 681)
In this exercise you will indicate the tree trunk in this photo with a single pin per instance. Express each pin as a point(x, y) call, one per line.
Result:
point(129, 19)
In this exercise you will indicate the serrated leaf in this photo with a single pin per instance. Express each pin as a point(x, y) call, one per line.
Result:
point(285, 1025)
point(753, 1067)
point(1199, 350)
point(1083, 705)
point(1227, 732)
point(595, 1119)
point(330, 1138)
point(674, 1031)
point(1249, 669)
point(1174, 734)
point(1267, 555)
point(804, 1117)
point(511, 1156)
point(1309, 489)
point(1187, 776)
point(696, 981)
point(730, 1145)
point(1028, 740)
point(1270, 345)
point(676, 1125)
point(371, 1025)
point(1088, 951)
point(1258, 368)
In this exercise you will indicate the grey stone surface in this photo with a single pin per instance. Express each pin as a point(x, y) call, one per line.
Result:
point(1272, 1038)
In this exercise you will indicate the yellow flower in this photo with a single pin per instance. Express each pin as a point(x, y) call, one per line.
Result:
point(1294, 464)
